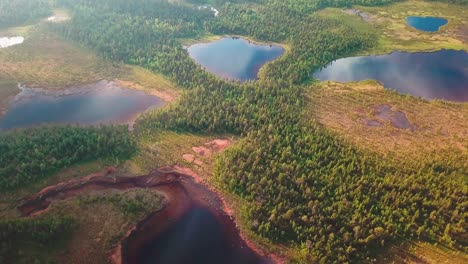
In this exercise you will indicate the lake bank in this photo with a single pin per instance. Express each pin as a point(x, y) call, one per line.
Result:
point(436, 75)
point(234, 58)
point(98, 103)
point(181, 191)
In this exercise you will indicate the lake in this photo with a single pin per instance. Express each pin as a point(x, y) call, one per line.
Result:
point(442, 74)
point(102, 102)
point(427, 24)
point(197, 238)
point(234, 58)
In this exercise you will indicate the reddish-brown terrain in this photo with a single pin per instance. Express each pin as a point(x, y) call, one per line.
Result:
point(182, 193)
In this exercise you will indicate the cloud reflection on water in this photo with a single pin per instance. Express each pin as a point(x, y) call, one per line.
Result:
point(235, 59)
point(442, 74)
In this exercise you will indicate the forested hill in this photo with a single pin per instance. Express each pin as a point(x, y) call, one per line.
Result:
point(301, 184)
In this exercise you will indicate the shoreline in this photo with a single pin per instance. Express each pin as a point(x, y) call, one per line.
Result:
point(26, 93)
point(183, 192)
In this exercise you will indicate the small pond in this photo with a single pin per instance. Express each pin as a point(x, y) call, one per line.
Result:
point(234, 58)
point(197, 238)
point(427, 24)
point(6, 42)
point(442, 74)
point(102, 102)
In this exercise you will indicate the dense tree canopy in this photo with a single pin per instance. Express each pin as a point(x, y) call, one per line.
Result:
point(30, 154)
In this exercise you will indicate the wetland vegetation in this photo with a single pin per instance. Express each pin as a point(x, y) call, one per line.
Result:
point(300, 187)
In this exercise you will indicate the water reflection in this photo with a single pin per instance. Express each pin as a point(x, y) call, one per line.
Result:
point(442, 74)
point(103, 102)
point(428, 24)
point(198, 238)
point(232, 58)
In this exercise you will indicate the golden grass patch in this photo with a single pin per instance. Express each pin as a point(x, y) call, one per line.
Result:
point(413, 252)
point(389, 22)
point(47, 60)
point(438, 128)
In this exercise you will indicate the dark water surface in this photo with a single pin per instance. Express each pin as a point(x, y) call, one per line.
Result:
point(442, 74)
point(428, 24)
point(103, 102)
point(234, 58)
point(198, 238)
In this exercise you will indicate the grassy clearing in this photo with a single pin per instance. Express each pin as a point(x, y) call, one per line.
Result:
point(151, 83)
point(390, 23)
point(202, 39)
point(163, 149)
point(97, 234)
point(440, 127)
point(46, 60)
point(422, 252)
point(8, 89)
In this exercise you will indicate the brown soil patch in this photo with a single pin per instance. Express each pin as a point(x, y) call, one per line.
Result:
point(188, 157)
point(198, 162)
point(202, 151)
point(219, 145)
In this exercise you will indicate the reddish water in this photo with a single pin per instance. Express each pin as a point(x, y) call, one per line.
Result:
point(191, 229)
point(197, 238)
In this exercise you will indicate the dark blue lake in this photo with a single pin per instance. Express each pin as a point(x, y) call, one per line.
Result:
point(234, 58)
point(103, 102)
point(442, 74)
point(197, 238)
point(428, 24)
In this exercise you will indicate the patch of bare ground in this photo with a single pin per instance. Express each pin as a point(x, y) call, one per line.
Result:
point(202, 157)
point(375, 119)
